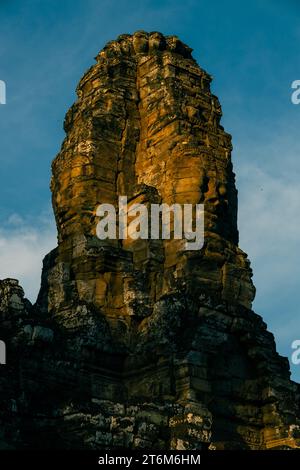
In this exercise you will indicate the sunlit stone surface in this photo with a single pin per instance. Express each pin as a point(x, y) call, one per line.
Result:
point(142, 344)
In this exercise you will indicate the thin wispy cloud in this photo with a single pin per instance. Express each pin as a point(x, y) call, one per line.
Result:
point(45, 48)
point(23, 245)
point(269, 224)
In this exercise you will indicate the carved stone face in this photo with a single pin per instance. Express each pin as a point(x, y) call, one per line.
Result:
point(140, 42)
point(156, 42)
point(142, 120)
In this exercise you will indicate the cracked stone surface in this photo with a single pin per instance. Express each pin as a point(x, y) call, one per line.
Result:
point(140, 343)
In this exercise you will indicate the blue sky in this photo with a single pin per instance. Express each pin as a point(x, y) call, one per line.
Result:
point(252, 50)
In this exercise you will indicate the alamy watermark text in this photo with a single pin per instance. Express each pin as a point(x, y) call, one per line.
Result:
point(133, 221)
point(2, 352)
point(2, 92)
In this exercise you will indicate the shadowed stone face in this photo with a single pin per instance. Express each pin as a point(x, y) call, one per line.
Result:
point(146, 126)
point(140, 343)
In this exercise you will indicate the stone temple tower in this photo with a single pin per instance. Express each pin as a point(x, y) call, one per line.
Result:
point(142, 343)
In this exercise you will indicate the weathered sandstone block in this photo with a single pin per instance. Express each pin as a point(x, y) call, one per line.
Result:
point(141, 343)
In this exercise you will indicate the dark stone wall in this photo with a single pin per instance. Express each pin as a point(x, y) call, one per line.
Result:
point(140, 343)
